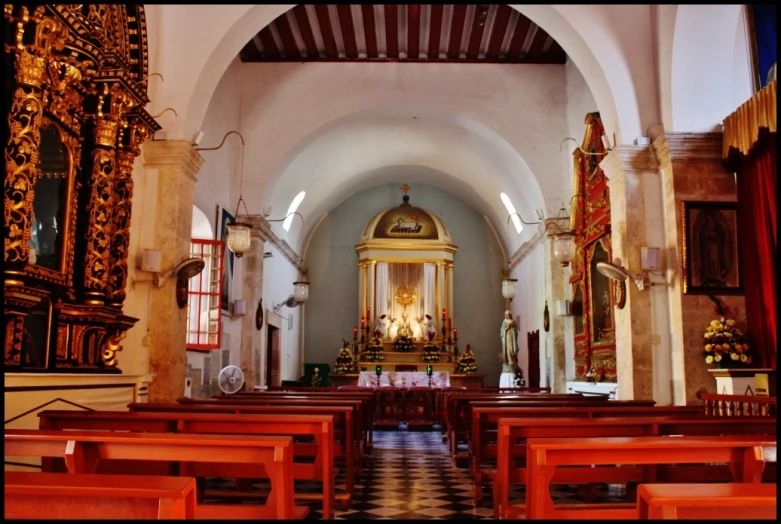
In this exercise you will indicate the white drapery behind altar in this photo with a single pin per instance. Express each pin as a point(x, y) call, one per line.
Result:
point(420, 277)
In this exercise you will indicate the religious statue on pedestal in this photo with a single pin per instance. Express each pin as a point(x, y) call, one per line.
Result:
point(509, 335)
point(381, 326)
point(429, 327)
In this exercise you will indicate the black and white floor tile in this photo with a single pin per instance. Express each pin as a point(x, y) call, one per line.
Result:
point(410, 476)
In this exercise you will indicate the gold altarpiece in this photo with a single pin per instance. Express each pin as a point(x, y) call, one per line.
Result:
point(74, 92)
point(406, 234)
point(594, 295)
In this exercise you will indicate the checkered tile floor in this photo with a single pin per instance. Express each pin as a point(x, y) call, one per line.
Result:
point(410, 475)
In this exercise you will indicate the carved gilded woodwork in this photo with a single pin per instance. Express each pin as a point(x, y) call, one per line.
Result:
point(80, 70)
point(590, 219)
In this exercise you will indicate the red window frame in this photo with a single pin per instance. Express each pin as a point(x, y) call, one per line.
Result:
point(203, 297)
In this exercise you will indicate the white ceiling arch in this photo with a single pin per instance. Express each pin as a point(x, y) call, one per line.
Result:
point(201, 42)
point(367, 149)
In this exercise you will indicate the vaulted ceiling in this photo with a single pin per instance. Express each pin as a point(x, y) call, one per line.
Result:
point(465, 33)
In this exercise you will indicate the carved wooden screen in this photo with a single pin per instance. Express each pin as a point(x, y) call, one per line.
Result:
point(595, 345)
point(74, 91)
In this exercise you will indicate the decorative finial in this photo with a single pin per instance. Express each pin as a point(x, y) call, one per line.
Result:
point(405, 198)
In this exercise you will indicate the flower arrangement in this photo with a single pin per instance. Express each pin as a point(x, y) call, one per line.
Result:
point(466, 362)
point(430, 352)
point(345, 362)
point(374, 351)
point(725, 345)
point(403, 344)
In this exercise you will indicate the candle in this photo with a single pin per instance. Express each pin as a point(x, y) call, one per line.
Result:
point(444, 313)
point(450, 323)
point(355, 332)
point(368, 312)
point(378, 370)
point(455, 333)
point(363, 321)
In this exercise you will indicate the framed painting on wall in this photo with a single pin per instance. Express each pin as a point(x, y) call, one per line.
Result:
point(763, 41)
point(711, 249)
point(226, 294)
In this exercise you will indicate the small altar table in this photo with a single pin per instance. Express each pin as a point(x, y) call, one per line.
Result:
point(404, 379)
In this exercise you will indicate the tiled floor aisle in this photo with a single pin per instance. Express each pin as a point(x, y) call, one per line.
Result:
point(410, 475)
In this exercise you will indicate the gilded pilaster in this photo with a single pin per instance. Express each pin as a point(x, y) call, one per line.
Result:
point(123, 194)
point(24, 122)
point(370, 279)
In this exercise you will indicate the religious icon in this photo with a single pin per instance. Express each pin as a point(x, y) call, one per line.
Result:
point(711, 251)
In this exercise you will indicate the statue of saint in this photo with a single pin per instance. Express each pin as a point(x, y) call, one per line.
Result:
point(509, 335)
point(417, 329)
point(381, 325)
point(393, 329)
point(429, 327)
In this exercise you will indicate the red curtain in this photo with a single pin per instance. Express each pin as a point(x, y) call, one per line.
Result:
point(756, 179)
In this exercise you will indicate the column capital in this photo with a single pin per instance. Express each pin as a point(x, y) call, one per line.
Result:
point(175, 153)
point(259, 225)
point(628, 159)
point(687, 147)
point(371, 263)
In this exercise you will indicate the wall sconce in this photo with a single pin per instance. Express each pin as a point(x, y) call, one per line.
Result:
point(563, 308)
point(186, 270)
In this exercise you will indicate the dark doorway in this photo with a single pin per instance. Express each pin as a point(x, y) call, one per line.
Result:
point(533, 345)
point(272, 356)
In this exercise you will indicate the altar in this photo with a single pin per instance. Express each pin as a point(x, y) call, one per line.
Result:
point(404, 379)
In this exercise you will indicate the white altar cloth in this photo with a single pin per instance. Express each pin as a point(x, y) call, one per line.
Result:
point(402, 379)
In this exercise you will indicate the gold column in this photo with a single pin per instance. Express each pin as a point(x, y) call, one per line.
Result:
point(24, 121)
point(440, 294)
point(123, 194)
point(449, 267)
point(172, 164)
point(370, 274)
point(361, 291)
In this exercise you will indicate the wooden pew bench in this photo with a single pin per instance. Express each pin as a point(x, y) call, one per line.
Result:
point(359, 405)
point(346, 446)
point(511, 448)
point(462, 423)
point(743, 454)
point(195, 456)
point(53, 496)
point(706, 501)
point(367, 396)
point(319, 427)
point(482, 447)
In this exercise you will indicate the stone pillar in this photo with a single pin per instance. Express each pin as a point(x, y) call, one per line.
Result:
point(553, 340)
point(632, 173)
point(449, 267)
point(175, 164)
point(691, 169)
point(252, 291)
point(370, 274)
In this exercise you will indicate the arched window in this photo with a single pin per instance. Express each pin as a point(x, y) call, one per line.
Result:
point(293, 206)
point(511, 210)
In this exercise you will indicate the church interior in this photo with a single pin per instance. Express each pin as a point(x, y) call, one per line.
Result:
point(393, 255)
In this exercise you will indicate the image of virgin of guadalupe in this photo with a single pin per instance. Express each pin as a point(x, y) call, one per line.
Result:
point(712, 243)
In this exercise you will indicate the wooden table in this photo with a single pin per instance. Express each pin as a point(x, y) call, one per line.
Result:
point(744, 454)
point(54, 496)
point(706, 501)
